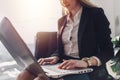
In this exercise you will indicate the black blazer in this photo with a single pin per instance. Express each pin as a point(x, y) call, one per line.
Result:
point(93, 35)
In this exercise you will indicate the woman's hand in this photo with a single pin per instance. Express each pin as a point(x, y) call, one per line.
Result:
point(49, 60)
point(72, 64)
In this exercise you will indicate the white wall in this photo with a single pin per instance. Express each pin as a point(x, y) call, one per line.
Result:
point(112, 10)
point(117, 17)
point(31, 16)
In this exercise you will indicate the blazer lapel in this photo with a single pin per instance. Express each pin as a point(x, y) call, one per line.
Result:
point(82, 27)
point(63, 25)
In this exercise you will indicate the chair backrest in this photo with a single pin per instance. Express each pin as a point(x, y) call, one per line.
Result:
point(46, 44)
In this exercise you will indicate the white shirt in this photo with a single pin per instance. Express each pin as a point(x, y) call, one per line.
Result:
point(70, 37)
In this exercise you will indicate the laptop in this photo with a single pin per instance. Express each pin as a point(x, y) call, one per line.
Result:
point(23, 56)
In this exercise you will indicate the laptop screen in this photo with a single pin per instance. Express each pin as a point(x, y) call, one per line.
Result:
point(17, 47)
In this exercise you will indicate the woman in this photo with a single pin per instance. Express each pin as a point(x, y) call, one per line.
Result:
point(83, 38)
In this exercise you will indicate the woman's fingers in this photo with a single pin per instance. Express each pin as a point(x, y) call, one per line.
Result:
point(71, 64)
point(62, 65)
point(53, 61)
point(43, 61)
point(50, 60)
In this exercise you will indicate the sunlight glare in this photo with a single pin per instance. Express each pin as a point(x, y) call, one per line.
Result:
point(32, 16)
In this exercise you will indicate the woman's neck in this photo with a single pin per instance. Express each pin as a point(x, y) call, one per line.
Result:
point(74, 11)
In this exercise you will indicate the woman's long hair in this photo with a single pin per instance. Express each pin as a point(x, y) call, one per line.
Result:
point(85, 3)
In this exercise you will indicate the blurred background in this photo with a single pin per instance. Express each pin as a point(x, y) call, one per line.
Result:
point(32, 16)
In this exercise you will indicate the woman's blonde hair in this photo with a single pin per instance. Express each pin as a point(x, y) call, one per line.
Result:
point(85, 3)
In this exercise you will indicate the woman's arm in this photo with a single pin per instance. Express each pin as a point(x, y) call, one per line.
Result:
point(103, 32)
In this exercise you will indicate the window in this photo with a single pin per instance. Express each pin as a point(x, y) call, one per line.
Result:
point(28, 18)
point(31, 16)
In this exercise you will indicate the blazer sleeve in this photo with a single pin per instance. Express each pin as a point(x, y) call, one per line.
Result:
point(59, 50)
point(104, 44)
point(56, 53)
